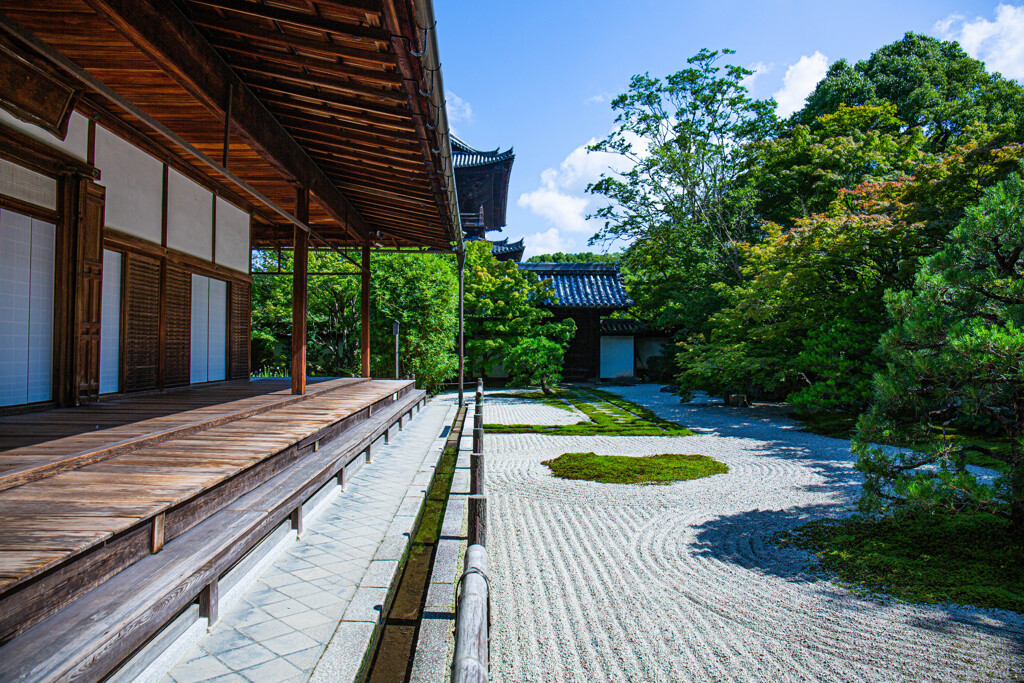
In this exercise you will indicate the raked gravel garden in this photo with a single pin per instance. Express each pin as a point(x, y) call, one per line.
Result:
point(683, 582)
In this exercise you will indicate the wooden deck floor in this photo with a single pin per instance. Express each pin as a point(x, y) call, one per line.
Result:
point(134, 410)
point(60, 512)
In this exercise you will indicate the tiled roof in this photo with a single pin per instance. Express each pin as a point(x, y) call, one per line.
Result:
point(624, 326)
point(584, 285)
point(506, 247)
point(464, 156)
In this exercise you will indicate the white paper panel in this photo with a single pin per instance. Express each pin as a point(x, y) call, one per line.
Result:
point(134, 182)
point(189, 217)
point(76, 143)
point(21, 183)
point(200, 328)
point(232, 236)
point(616, 356)
point(217, 367)
point(15, 257)
point(40, 320)
point(110, 323)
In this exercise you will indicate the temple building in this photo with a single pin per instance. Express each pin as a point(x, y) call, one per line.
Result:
point(481, 180)
point(146, 149)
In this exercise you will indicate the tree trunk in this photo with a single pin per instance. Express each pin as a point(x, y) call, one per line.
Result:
point(545, 388)
point(1017, 489)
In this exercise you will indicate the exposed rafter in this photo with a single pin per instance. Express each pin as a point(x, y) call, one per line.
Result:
point(161, 31)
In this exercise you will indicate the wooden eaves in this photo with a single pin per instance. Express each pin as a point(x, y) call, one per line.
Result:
point(342, 99)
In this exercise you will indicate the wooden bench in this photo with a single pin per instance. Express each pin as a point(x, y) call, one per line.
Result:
point(91, 636)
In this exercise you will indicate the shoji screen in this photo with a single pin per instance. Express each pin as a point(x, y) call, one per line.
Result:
point(110, 323)
point(26, 308)
point(209, 329)
point(217, 348)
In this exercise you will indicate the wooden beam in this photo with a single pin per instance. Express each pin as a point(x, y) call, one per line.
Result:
point(299, 268)
point(164, 33)
point(370, 59)
point(301, 20)
point(364, 327)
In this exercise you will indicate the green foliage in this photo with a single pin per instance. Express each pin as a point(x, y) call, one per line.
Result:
point(581, 257)
point(502, 308)
point(956, 349)
point(535, 361)
point(805, 320)
point(332, 346)
point(418, 290)
point(620, 469)
point(934, 84)
point(421, 292)
point(608, 414)
point(684, 141)
point(802, 171)
point(929, 559)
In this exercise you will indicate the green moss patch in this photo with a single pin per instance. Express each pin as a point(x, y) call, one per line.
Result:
point(621, 469)
point(552, 401)
point(607, 413)
point(966, 560)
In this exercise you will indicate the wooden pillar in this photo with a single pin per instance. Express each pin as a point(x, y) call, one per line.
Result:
point(364, 325)
point(462, 316)
point(79, 282)
point(299, 268)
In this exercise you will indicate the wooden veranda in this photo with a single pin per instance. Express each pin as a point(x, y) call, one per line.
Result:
point(322, 124)
point(110, 533)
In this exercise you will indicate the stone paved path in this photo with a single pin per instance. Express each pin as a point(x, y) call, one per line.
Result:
point(311, 613)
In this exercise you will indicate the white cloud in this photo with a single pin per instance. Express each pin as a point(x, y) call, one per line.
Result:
point(546, 242)
point(999, 43)
point(561, 198)
point(599, 98)
point(759, 69)
point(799, 82)
point(459, 110)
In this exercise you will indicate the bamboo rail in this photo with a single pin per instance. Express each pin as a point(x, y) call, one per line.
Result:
point(471, 662)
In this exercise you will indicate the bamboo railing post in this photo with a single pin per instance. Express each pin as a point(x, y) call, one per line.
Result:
point(476, 473)
point(471, 660)
point(477, 519)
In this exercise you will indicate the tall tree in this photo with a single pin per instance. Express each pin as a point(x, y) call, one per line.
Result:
point(956, 350)
point(503, 306)
point(935, 85)
point(685, 140)
point(801, 172)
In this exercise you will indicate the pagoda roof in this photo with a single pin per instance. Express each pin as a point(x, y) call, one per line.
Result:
point(465, 156)
point(583, 285)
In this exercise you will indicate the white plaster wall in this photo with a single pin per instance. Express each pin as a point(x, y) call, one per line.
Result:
point(29, 186)
point(76, 143)
point(189, 217)
point(134, 182)
point(616, 356)
point(232, 236)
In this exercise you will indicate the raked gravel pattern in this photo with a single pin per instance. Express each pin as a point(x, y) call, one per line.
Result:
point(509, 411)
point(605, 582)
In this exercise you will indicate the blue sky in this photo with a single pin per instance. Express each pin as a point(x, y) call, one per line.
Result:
point(539, 75)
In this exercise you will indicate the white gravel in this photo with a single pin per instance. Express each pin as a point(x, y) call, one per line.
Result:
point(596, 582)
point(509, 411)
